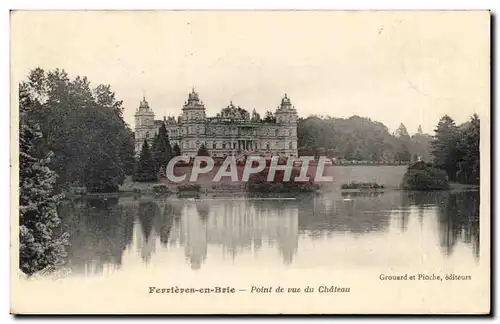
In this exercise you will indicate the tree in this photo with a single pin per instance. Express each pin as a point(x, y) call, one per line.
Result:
point(424, 176)
point(202, 151)
point(404, 154)
point(468, 148)
point(41, 247)
point(145, 168)
point(444, 146)
point(162, 151)
point(127, 152)
point(420, 145)
point(402, 132)
point(83, 127)
point(355, 138)
point(176, 150)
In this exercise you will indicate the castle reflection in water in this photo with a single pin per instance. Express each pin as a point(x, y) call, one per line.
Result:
point(236, 226)
point(103, 232)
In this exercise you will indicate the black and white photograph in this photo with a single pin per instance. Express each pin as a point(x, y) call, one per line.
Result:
point(250, 162)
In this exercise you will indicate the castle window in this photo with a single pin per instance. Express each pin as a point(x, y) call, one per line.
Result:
point(267, 146)
point(214, 145)
point(223, 145)
point(276, 131)
point(290, 145)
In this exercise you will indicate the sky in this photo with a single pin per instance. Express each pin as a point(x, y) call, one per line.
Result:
point(392, 67)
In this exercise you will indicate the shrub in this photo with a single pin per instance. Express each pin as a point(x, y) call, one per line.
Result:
point(161, 189)
point(258, 183)
point(189, 187)
point(424, 176)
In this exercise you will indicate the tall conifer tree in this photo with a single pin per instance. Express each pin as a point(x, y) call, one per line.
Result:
point(176, 150)
point(162, 151)
point(41, 246)
point(145, 168)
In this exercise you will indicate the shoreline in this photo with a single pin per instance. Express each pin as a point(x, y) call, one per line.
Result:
point(147, 191)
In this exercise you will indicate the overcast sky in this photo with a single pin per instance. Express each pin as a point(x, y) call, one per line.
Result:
point(392, 67)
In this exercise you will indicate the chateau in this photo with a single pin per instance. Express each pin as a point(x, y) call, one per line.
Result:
point(233, 131)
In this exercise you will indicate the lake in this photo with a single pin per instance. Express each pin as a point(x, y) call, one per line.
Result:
point(115, 235)
point(328, 253)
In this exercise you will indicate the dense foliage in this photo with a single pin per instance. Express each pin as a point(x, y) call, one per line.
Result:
point(425, 176)
point(359, 138)
point(153, 161)
point(41, 246)
point(176, 150)
point(258, 183)
point(145, 169)
point(456, 149)
point(161, 189)
point(84, 127)
point(455, 152)
point(161, 149)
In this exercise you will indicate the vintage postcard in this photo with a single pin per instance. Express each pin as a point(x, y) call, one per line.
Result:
point(250, 162)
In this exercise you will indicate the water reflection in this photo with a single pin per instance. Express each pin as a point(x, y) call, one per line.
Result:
point(459, 221)
point(100, 230)
point(354, 213)
point(104, 230)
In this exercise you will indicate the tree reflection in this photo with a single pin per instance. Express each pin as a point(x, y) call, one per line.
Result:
point(203, 209)
point(100, 231)
point(459, 220)
point(163, 224)
point(148, 211)
point(458, 216)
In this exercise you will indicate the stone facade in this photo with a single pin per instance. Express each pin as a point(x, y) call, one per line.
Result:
point(234, 131)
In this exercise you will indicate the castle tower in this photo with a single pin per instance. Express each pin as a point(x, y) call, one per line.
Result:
point(144, 124)
point(193, 124)
point(286, 118)
point(286, 113)
point(193, 109)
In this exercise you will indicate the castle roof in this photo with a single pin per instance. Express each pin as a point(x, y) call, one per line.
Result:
point(286, 104)
point(193, 101)
point(234, 112)
point(143, 105)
